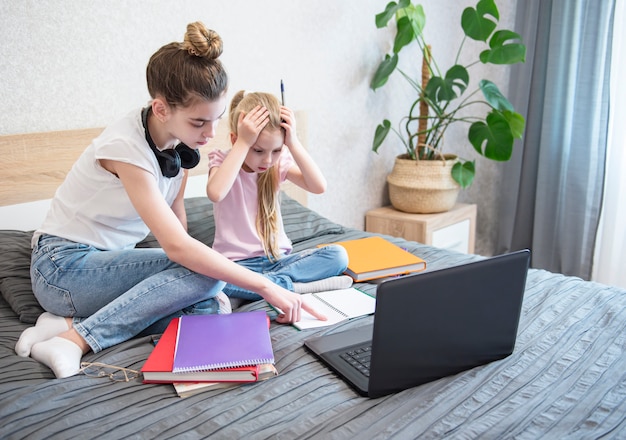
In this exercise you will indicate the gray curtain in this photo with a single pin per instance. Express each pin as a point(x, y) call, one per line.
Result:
point(552, 187)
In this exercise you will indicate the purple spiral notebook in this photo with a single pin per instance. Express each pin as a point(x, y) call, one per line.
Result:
point(209, 342)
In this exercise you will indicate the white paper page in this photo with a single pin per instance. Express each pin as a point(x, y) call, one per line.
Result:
point(351, 302)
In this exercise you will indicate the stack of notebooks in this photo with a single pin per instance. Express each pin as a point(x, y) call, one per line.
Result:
point(201, 352)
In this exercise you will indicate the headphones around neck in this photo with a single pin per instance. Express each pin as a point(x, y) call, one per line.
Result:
point(170, 160)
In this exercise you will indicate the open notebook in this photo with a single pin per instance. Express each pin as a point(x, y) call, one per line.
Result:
point(337, 306)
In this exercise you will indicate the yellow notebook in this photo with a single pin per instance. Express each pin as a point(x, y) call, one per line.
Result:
point(374, 257)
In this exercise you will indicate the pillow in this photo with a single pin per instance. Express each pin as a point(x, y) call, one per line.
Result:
point(15, 284)
point(303, 224)
point(200, 223)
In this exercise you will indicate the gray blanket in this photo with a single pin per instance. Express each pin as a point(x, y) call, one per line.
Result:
point(565, 379)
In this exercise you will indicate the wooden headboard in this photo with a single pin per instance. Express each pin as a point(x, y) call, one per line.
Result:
point(34, 164)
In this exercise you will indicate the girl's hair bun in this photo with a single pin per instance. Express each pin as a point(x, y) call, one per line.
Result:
point(202, 42)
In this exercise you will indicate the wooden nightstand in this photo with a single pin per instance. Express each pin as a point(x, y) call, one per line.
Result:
point(454, 229)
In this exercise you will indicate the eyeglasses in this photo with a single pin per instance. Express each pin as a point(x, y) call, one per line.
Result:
point(113, 372)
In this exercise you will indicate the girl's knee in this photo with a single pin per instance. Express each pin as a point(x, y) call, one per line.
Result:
point(339, 255)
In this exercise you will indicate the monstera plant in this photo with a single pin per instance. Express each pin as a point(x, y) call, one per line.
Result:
point(444, 97)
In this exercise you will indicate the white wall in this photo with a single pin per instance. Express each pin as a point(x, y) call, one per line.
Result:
point(68, 64)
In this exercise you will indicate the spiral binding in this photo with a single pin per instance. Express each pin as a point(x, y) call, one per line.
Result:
point(330, 306)
point(223, 365)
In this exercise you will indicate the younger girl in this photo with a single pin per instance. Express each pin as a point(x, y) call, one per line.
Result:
point(244, 187)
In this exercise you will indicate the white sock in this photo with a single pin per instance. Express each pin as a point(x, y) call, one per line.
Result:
point(224, 302)
point(332, 283)
point(61, 355)
point(46, 327)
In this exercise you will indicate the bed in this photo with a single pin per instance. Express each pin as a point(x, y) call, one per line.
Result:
point(565, 379)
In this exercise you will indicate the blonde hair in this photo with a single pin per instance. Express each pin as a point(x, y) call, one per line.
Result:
point(268, 181)
point(184, 72)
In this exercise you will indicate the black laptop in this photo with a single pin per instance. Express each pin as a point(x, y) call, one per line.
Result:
point(431, 325)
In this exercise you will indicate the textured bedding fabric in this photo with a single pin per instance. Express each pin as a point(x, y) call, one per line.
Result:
point(565, 379)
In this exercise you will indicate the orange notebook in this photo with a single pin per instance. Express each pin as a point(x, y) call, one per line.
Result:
point(159, 365)
point(374, 257)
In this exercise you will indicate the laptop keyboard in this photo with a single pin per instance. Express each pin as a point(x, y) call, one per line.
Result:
point(359, 358)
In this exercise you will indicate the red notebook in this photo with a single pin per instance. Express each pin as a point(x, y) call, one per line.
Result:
point(159, 365)
point(209, 342)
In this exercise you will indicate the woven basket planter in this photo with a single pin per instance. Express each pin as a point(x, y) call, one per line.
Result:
point(423, 186)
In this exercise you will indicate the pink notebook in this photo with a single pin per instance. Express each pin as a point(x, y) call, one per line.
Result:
point(209, 342)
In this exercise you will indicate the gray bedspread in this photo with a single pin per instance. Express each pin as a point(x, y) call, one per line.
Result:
point(565, 379)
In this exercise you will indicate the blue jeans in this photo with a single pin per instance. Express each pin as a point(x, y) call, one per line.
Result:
point(113, 296)
point(300, 267)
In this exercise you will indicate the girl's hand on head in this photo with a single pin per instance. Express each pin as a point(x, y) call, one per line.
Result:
point(289, 124)
point(251, 124)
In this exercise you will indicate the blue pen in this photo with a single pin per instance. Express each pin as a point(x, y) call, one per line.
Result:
point(282, 92)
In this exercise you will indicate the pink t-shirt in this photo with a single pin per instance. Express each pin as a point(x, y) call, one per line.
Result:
point(236, 236)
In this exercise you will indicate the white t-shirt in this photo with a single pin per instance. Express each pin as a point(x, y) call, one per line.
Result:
point(236, 236)
point(91, 206)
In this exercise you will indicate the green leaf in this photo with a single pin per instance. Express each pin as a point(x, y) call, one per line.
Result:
point(404, 35)
point(463, 173)
point(474, 22)
point(381, 133)
point(386, 67)
point(493, 96)
point(443, 89)
point(488, 7)
point(501, 37)
point(417, 17)
point(492, 138)
point(392, 7)
point(516, 122)
point(506, 47)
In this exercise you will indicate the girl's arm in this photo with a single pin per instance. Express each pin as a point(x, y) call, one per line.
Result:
point(306, 174)
point(221, 178)
point(179, 203)
point(183, 249)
